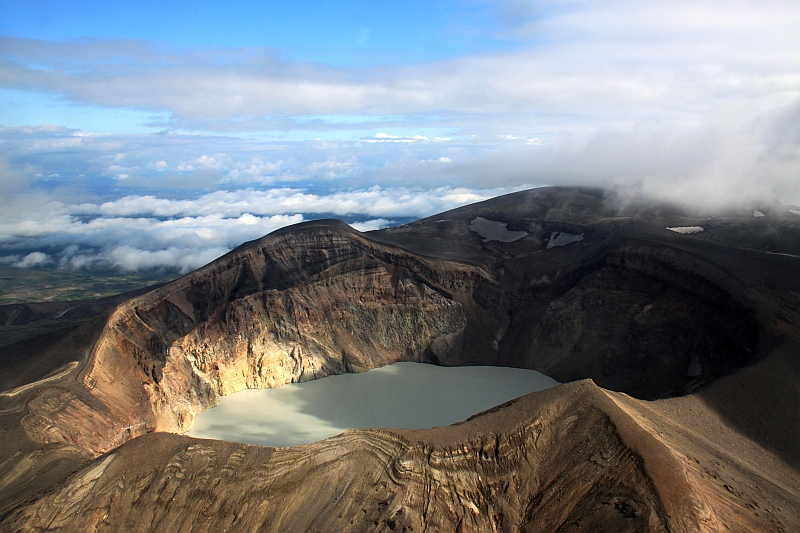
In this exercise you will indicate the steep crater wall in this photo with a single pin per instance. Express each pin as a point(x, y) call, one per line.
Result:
point(645, 319)
point(294, 307)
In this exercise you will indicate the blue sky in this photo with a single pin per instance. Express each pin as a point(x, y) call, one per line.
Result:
point(341, 33)
point(286, 109)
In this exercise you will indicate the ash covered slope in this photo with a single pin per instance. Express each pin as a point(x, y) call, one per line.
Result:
point(552, 279)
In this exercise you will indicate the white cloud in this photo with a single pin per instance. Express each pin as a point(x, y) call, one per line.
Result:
point(375, 201)
point(332, 168)
point(181, 259)
point(205, 161)
point(139, 232)
point(254, 171)
point(117, 172)
point(596, 63)
point(730, 159)
point(387, 138)
point(370, 225)
point(33, 259)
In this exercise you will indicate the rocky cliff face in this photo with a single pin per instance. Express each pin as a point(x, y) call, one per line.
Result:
point(652, 321)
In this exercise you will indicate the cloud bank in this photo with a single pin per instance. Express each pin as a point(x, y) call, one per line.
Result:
point(693, 102)
point(145, 232)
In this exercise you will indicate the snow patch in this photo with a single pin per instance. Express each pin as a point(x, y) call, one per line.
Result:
point(495, 231)
point(559, 238)
point(33, 259)
point(683, 230)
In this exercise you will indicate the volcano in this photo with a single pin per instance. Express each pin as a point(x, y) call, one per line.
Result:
point(676, 336)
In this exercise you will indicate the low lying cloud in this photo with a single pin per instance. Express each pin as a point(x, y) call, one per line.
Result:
point(133, 243)
point(147, 232)
point(129, 258)
point(31, 260)
point(244, 203)
point(726, 161)
point(371, 225)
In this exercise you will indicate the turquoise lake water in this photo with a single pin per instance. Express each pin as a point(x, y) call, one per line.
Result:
point(402, 395)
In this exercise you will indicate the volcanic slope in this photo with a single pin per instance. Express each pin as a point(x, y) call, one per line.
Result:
point(681, 352)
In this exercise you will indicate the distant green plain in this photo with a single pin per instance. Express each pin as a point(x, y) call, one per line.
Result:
point(50, 284)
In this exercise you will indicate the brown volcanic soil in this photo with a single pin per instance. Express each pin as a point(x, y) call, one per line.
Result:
point(694, 339)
